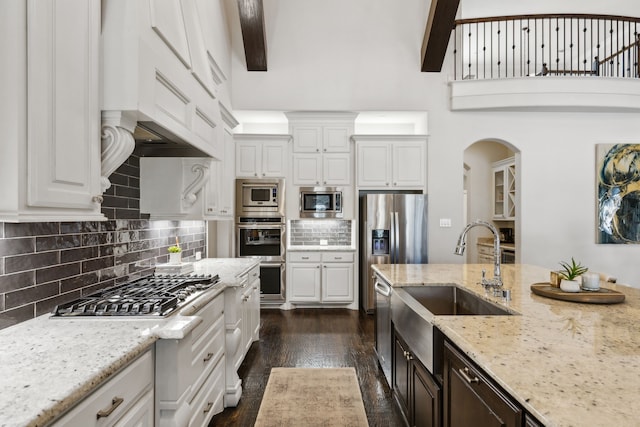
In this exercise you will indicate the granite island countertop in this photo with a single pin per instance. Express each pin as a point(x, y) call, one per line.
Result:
point(48, 365)
point(567, 363)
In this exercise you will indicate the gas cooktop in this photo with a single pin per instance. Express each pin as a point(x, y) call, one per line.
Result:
point(156, 296)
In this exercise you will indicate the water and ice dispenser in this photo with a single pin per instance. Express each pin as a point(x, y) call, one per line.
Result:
point(380, 242)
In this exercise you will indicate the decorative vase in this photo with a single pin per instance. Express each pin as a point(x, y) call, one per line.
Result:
point(175, 258)
point(570, 285)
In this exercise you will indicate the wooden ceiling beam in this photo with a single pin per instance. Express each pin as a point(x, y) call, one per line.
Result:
point(253, 34)
point(437, 33)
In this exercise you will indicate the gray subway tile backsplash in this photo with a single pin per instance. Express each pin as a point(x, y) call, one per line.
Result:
point(311, 232)
point(45, 264)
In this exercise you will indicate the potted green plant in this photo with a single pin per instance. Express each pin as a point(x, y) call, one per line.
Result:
point(570, 275)
point(175, 254)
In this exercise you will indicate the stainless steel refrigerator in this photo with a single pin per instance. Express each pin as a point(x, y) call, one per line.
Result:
point(393, 230)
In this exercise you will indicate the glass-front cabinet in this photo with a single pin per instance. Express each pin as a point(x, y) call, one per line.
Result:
point(504, 189)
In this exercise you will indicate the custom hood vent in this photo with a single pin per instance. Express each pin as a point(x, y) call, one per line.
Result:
point(152, 140)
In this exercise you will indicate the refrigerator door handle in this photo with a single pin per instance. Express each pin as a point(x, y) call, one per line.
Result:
point(392, 238)
point(396, 226)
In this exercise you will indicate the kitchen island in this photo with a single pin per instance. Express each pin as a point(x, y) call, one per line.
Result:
point(566, 363)
point(48, 365)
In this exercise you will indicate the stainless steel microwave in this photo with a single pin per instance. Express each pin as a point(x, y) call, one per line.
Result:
point(260, 197)
point(320, 202)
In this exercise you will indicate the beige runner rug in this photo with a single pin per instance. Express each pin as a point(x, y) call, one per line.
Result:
point(312, 397)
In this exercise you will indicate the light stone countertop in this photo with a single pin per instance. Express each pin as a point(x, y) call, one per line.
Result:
point(48, 365)
point(567, 363)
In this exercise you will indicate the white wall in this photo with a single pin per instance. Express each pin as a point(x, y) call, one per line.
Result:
point(362, 56)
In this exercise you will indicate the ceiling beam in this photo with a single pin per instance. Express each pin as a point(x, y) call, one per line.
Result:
point(253, 35)
point(437, 33)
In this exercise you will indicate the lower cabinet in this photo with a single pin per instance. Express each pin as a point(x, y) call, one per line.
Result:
point(320, 277)
point(190, 372)
point(417, 392)
point(471, 398)
point(125, 400)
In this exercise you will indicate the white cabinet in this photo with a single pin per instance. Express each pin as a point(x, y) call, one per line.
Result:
point(50, 160)
point(127, 399)
point(391, 161)
point(190, 371)
point(219, 196)
point(262, 156)
point(316, 138)
point(322, 151)
point(504, 189)
point(321, 169)
point(174, 187)
point(242, 323)
point(321, 277)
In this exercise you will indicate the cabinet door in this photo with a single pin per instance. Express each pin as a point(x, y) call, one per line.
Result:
point(212, 191)
point(248, 159)
point(274, 159)
point(467, 387)
point(307, 169)
point(400, 373)
point(227, 176)
point(374, 165)
point(307, 138)
point(336, 169)
point(335, 139)
point(426, 396)
point(304, 282)
point(337, 282)
point(63, 116)
point(408, 165)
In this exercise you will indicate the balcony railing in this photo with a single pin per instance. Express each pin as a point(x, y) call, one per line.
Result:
point(542, 45)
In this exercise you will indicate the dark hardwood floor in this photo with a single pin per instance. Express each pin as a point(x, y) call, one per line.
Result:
point(313, 338)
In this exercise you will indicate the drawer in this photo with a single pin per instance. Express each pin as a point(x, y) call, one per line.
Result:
point(207, 351)
point(485, 250)
point(209, 314)
point(115, 398)
point(483, 259)
point(337, 256)
point(304, 257)
point(208, 401)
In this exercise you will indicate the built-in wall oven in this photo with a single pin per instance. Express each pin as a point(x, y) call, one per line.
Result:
point(264, 238)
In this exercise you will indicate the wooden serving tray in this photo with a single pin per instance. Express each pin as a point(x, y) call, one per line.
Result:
point(601, 296)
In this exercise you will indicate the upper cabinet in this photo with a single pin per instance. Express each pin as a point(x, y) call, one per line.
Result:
point(391, 161)
point(322, 151)
point(261, 156)
point(163, 63)
point(50, 161)
point(504, 189)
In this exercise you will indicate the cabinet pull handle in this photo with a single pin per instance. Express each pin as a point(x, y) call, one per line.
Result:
point(465, 374)
point(337, 257)
point(97, 199)
point(209, 356)
point(115, 402)
point(305, 257)
point(208, 408)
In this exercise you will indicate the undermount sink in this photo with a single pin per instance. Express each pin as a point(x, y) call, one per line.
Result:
point(451, 300)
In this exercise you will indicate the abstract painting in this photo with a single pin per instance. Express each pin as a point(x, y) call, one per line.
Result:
point(618, 170)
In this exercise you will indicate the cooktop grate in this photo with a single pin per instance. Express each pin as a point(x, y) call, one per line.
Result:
point(157, 295)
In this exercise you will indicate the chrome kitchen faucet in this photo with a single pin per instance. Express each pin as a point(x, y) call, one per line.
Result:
point(496, 282)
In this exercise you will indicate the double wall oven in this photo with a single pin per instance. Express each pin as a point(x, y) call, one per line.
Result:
point(261, 233)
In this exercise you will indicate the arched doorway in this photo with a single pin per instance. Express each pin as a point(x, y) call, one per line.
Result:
point(491, 191)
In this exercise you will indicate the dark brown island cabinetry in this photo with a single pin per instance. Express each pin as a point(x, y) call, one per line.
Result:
point(418, 394)
point(472, 399)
